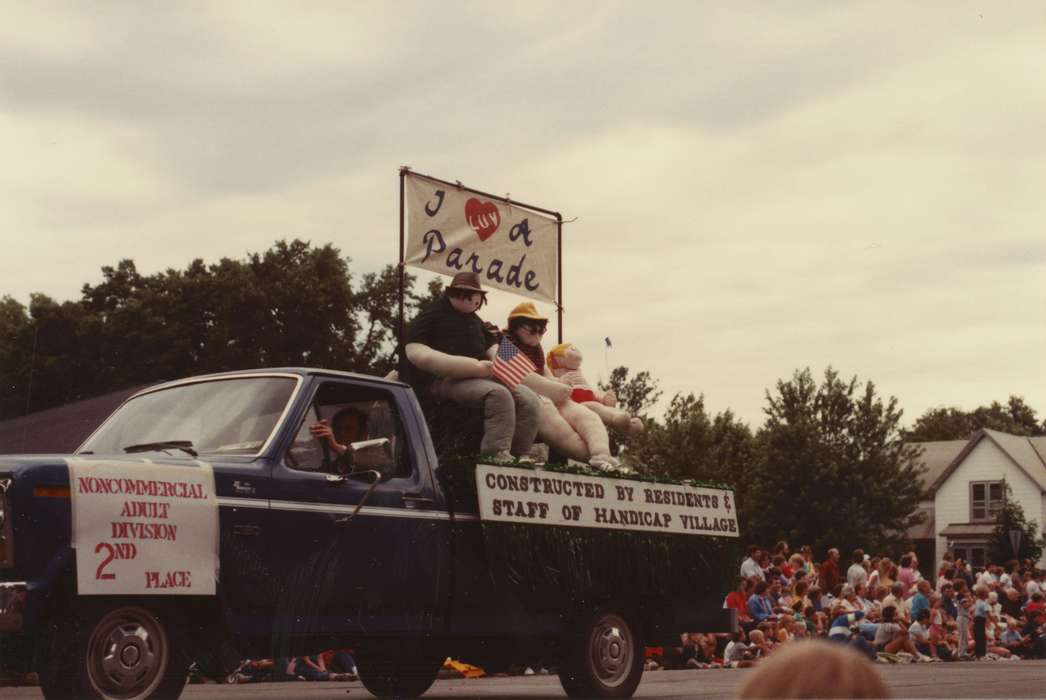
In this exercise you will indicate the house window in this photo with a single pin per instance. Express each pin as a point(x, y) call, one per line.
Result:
point(986, 499)
point(975, 555)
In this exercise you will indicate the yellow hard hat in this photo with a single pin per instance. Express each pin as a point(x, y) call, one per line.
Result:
point(526, 309)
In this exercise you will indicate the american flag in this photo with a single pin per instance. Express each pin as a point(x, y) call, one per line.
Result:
point(511, 365)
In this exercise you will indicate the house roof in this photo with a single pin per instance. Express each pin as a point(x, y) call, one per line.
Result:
point(59, 430)
point(968, 530)
point(936, 457)
point(1027, 454)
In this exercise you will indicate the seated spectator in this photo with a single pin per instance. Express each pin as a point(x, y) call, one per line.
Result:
point(907, 575)
point(896, 600)
point(799, 591)
point(815, 670)
point(760, 646)
point(737, 600)
point(340, 663)
point(814, 595)
point(948, 601)
point(1033, 584)
point(1013, 640)
point(892, 637)
point(842, 622)
point(1010, 604)
point(759, 607)
point(797, 564)
point(921, 599)
point(856, 574)
point(887, 572)
point(750, 566)
point(737, 653)
point(919, 632)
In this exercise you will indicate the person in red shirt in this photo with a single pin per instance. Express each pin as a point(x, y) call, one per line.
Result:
point(829, 575)
point(738, 600)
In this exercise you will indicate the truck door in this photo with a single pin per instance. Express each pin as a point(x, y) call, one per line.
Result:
point(357, 551)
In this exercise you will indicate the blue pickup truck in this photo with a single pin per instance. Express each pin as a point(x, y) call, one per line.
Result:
point(381, 549)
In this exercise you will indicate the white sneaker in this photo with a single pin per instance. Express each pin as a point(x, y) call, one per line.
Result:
point(528, 671)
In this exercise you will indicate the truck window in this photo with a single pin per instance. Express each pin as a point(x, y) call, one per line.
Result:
point(366, 432)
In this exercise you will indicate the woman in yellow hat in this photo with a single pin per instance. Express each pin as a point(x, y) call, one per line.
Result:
point(565, 425)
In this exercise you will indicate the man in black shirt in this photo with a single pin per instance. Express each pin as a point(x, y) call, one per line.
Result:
point(447, 355)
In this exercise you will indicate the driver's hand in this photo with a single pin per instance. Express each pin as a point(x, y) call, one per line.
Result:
point(322, 431)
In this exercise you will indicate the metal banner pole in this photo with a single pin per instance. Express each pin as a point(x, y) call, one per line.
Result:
point(559, 274)
point(402, 268)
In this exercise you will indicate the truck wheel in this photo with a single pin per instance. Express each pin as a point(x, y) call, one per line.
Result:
point(604, 659)
point(398, 672)
point(116, 652)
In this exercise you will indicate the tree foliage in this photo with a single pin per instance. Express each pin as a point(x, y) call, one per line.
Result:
point(691, 444)
point(635, 394)
point(832, 469)
point(294, 304)
point(952, 423)
point(1010, 516)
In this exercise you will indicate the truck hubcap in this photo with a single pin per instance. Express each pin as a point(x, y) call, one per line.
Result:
point(612, 650)
point(126, 654)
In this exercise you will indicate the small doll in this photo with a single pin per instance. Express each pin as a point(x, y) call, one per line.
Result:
point(565, 362)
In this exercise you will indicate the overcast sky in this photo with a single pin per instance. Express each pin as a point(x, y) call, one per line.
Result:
point(758, 187)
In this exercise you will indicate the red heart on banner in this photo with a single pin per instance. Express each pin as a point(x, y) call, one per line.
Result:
point(483, 217)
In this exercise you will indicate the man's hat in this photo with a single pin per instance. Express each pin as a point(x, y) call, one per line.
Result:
point(466, 280)
point(526, 309)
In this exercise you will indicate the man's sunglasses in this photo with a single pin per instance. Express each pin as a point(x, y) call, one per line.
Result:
point(536, 327)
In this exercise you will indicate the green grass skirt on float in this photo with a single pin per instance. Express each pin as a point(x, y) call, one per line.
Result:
point(548, 565)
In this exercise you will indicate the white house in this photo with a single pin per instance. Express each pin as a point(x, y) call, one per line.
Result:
point(965, 478)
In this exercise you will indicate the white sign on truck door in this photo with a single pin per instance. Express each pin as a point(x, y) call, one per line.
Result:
point(144, 528)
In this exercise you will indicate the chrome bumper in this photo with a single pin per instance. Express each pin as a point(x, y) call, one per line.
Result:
point(13, 595)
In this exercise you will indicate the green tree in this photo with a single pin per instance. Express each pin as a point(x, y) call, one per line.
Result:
point(635, 395)
point(691, 444)
point(831, 468)
point(1010, 516)
point(293, 304)
point(16, 337)
point(952, 423)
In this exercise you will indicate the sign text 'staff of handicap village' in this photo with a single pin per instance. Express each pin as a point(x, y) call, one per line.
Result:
point(551, 498)
point(141, 528)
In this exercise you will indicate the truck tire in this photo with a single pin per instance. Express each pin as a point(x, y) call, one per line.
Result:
point(115, 651)
point(603, 658)
point(402, 672)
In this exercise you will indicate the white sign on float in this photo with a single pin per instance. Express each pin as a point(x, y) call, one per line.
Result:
point(552, 498)
point(452, 230)
point(142, 528)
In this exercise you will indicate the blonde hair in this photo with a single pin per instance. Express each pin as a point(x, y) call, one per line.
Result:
point(815, 669)
point(555, 353)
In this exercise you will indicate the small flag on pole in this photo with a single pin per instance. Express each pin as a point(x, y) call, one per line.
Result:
point(607, 341)
point(511, 365)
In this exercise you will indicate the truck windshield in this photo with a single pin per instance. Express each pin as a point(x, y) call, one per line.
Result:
point(226, 416)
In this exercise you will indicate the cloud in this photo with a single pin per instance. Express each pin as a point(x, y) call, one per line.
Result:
point(757, 189)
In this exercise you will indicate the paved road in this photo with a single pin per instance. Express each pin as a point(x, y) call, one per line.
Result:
point(1017, 679)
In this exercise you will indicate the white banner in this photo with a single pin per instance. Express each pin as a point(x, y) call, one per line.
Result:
point(452, 230)
point(141, 528)
point(551, 498)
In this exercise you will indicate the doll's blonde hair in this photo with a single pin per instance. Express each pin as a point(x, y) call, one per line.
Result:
point(555, 353)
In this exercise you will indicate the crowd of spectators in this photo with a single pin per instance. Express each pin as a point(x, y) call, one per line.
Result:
point(885, 609)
